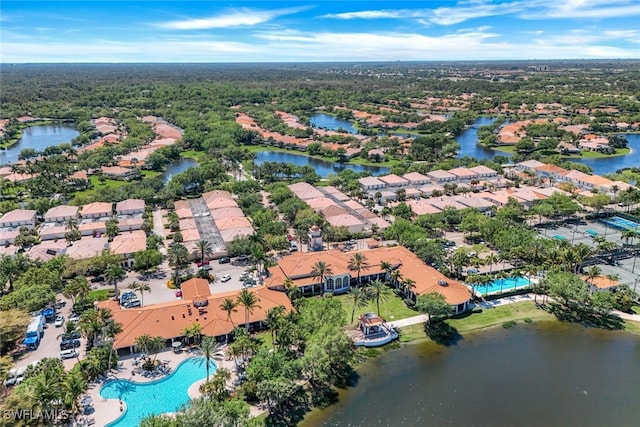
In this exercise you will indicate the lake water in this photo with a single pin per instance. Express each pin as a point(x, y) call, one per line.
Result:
point(177, 167)
point(468, 141)
point(469, 146)
point(39, 137)
point(547, 374)
point(329, 122)
point(322, 167)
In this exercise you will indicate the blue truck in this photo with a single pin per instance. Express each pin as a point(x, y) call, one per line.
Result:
point(34, 333)
point(49, 314)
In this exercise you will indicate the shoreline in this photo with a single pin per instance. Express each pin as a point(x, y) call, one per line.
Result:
point(475, 332)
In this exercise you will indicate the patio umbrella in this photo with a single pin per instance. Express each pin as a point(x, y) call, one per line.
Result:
point(176, 344)
point(86, 401)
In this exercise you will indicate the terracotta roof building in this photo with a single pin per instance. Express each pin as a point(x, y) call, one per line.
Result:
point(298, 267)
point(168, 320)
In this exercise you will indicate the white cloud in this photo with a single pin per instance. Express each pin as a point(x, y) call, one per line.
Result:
point(232, 18)
point(280, 45)
point(441, 15)
point(583, 9)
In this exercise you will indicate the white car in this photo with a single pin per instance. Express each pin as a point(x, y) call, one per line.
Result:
point(59, 321)
point(68, 354)
point(226, 278)
point(75, 317)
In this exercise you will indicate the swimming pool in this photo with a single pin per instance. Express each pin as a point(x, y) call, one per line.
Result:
point(505, 285)
point(622, 223)
point(157, 397)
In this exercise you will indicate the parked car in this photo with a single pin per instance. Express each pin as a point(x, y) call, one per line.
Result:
point(60, 303)
point(59, 321)
point(179, 293)
point(68, 354)
point(224, 260)
point(69, 344)
point(225, 278)
point(12, 377)
point(131, 303)
point(290, 237)
point(49, 314)
point(72, 336)
point(97, 279)
point(20, 375)
point(201, 264)
point(74, 317)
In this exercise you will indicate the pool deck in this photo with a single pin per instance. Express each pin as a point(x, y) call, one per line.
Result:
point(108, 410)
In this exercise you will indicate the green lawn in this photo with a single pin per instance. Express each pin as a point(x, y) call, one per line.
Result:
point(595, 155)
point(192, 154)
point(393, 309)
point(495, 317)
point(499, 315)
point(99, 295)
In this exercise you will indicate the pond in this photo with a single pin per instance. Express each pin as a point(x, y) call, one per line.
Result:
point(322, 167)
point(39, 137)
point(176, 167)
point(545, 374)
point(329, 122)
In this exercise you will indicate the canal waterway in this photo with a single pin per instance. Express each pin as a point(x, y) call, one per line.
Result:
point(39, 137)
point(545, 374)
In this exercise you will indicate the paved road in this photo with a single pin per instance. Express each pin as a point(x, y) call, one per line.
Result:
point(50, 344)
point(158, 227)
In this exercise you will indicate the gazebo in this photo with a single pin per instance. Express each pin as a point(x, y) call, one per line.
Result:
point(374, 331)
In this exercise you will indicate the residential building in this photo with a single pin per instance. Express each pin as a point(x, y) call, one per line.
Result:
point(61, 213)
point(127, 244)
point(19, 218)
point(416, 178)
point(441, 176)
point(393, 180)
point(371, 183)
point(97, 210)
point(130, 207)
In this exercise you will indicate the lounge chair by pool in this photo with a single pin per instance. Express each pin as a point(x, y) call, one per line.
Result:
point(559, 237)
point(592, 233)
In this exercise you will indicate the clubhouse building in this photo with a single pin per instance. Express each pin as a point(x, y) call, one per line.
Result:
point(297, 270)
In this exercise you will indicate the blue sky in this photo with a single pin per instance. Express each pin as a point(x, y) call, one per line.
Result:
point(286, 31)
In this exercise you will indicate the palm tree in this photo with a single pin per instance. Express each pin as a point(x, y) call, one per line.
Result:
point(396, 277)
point(110, 331)
point(358, 262)
point(73, 386)
point(592, 273)
point(407, 284)
point(112, 228)
point(320, 271)
point(114, 273)
point(76, 287)
point(229, 306)
point(203, 249)
point(208, 346)
point(178, 257)
point(150, 345)
point(193, 331)
point(379, 291)
point(274, 320)
point(249, 301)
point(613, 278)
point(386, 267)
point(293, 292)
point(140, 287)
point(358, 298)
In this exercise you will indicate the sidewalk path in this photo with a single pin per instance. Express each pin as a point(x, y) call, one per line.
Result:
point(415, 320)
